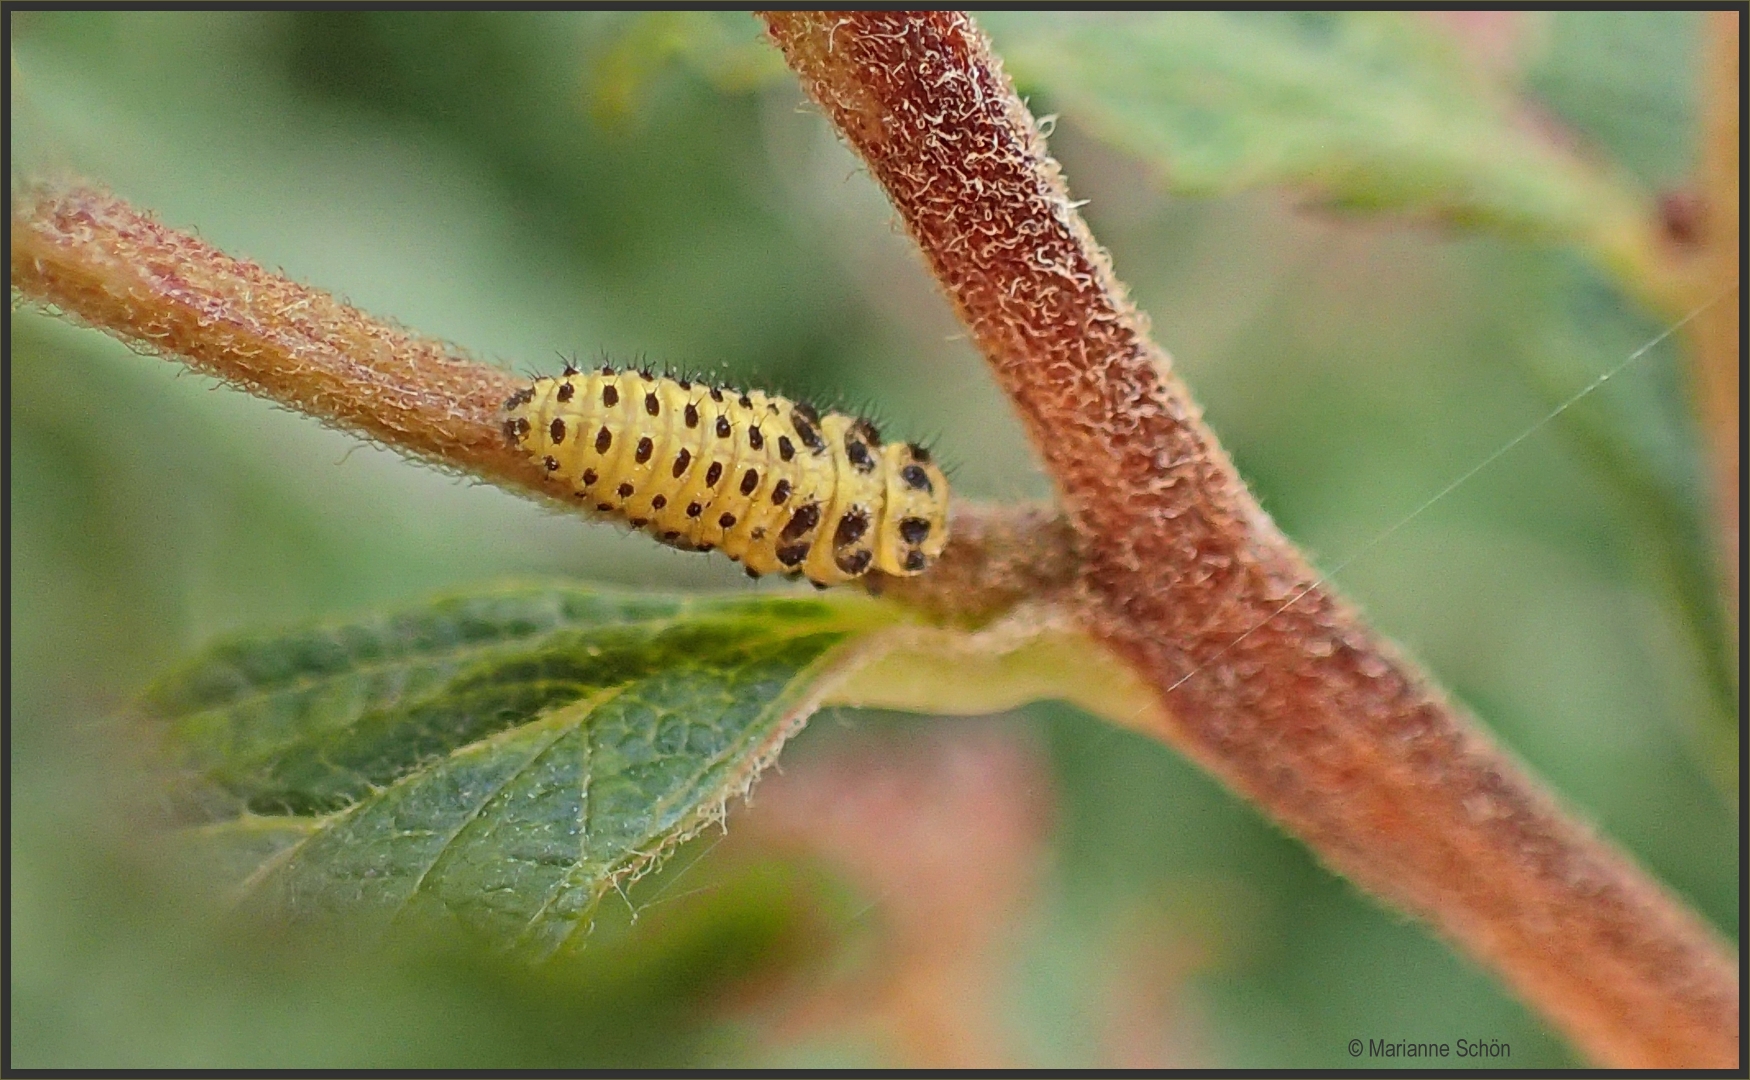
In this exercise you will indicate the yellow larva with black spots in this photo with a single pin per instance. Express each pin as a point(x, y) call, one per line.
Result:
point(766, 480)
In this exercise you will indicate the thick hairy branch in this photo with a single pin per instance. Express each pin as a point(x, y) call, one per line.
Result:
point(1264, 675)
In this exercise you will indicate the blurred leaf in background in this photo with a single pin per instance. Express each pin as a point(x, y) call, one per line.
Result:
point(527, 184)
point(1362, 109)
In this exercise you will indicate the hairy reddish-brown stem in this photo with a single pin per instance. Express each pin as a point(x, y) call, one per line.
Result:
point(1268, 678)
point(99, 261)
point(102, 262)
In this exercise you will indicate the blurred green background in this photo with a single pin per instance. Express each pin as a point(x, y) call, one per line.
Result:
point(531, 184)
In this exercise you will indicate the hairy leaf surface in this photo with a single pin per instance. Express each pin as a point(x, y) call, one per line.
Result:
point(502, 758)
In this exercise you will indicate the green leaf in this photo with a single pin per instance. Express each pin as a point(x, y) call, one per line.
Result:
point(1627, 82)
point(727, 48)
point(502, 759)
point(1638, 435)
point(1365, 109)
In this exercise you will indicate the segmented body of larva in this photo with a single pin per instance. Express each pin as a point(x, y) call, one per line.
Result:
point(768, 481)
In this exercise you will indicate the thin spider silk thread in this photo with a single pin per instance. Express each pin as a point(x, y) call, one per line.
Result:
point(1462, 478)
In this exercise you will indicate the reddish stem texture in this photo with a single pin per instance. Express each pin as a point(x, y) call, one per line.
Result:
point(1304, 710)
point(97, 260)
point(102, 262)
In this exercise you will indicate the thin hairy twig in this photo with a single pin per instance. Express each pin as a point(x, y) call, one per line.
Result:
point(94, 258)
point(1311, 715)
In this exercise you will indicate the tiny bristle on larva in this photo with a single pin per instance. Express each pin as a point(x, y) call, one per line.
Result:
point(776, 484)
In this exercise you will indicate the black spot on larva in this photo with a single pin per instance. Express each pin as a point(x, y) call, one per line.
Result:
point(914, 561)
point(854, 563)
point(651, 405)
point(805, 411)
point(801, 521)
point(914, 530)
point(723, 428)
point(755, 439)
point(566, 392)
point(603, 439)
point(556, 430)
point(780, 492)
point(727, 521)
point(610, 396)
point(684, 384)
point(672, 534)
point(645, 449)
point(918, 453)
point(859, 456)
point(694, 509)
point(867, 431)
point(681, 461)
point(625, 490)
point(658, 502)
point(759, 533)
point(786, 448)
point(638, 523)
point(851, 527)
point(569, 369)
point(810, 437)
point(604, 506)
point(744, 401)
point(916, 477)
point(792, 554)
point(520, 398)
point(714, 474)
point(819, 585)
point(707, 547)
point(589, 477)
point(551, 462)
point(716, 394)
point(646, 376)
point(513, 430)
point(692, 415)
point(749, 481)
point(607, 369)
point(752, 573)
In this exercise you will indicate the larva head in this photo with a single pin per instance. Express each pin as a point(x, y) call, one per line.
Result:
point(914, 521)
